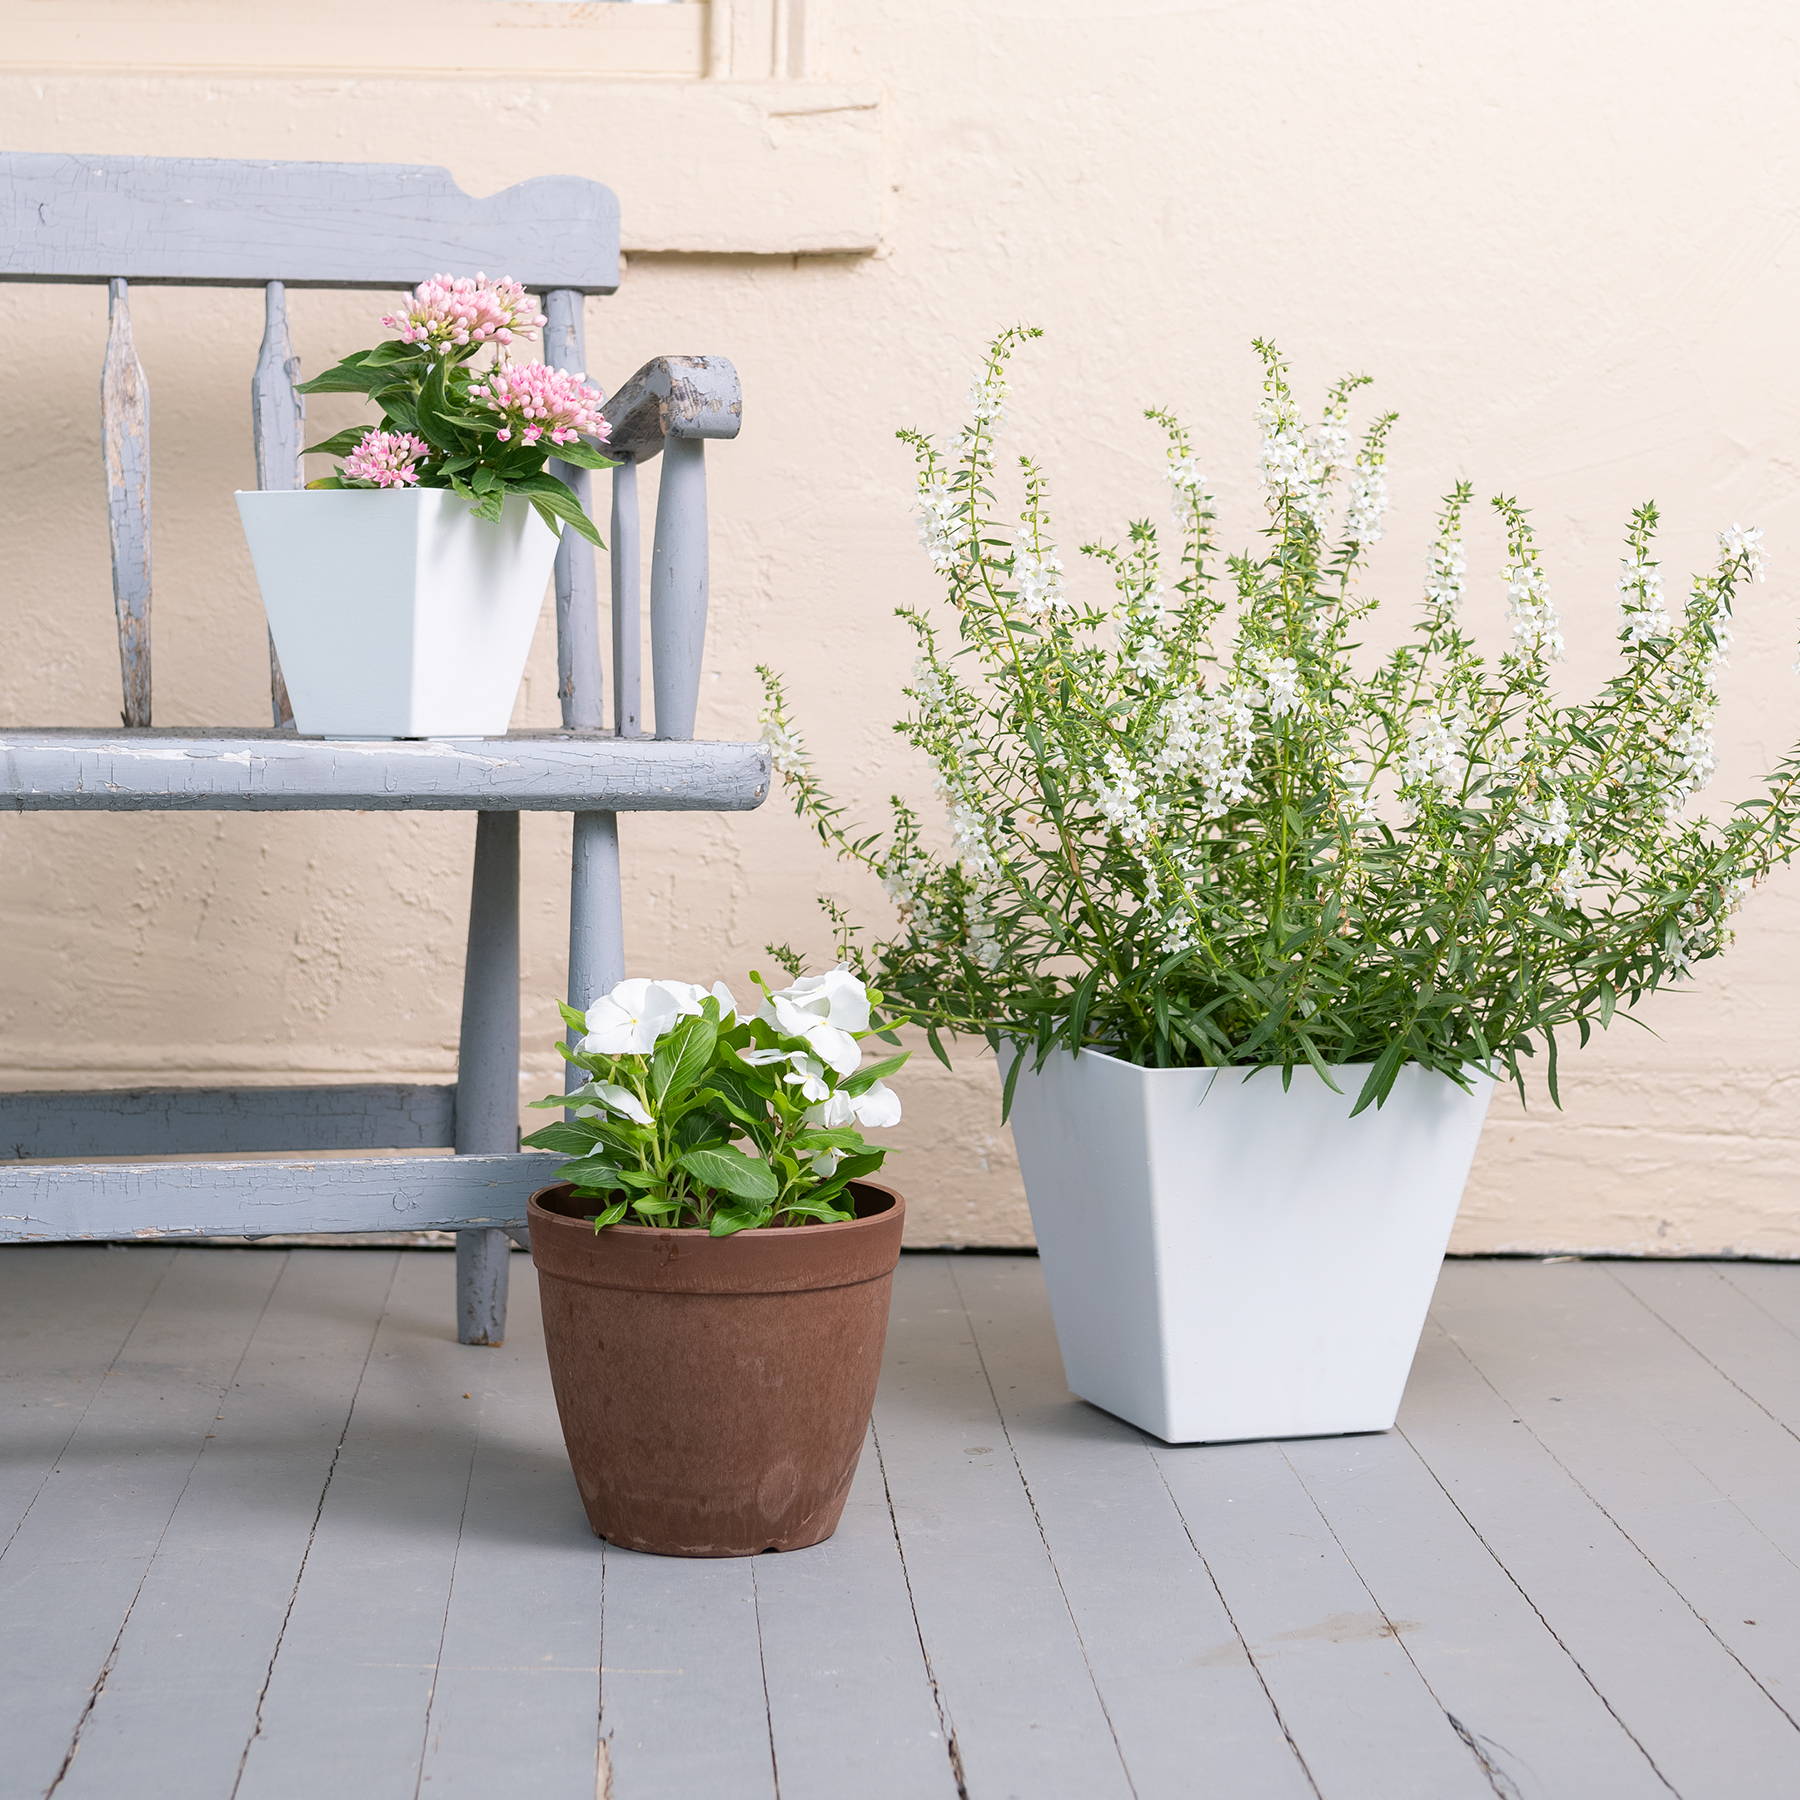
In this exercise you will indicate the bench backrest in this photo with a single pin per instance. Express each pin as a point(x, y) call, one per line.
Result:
point(124, 220)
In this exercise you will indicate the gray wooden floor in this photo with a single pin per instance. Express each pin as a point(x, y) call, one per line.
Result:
point(269, 1534)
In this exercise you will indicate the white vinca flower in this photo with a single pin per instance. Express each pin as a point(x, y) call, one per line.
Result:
point(613, 1098)
point(874, 1109)
point(637, 1013)
point(827, 1011)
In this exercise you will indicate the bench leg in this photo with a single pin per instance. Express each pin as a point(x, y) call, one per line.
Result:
point(487, 1068)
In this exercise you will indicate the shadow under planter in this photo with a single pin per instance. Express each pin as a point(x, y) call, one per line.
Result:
point(715, 1392)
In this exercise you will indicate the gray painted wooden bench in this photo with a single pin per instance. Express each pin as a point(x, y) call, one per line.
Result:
point(125, 220)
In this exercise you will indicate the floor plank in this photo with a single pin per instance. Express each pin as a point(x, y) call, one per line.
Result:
point(1700, 1478)
point(1485, 1652)
point(179, 1705)
point(851, 1707)
point(1019, 1701)
point(71, 1575)
point(66, 1311)
point(518, 1679)
point(682, 1705)
point(1714, 1308)
point(1360, 1713)
point(347, 1698)
point(1710, 1731)
point(267, 1471)
point(1188, 1707)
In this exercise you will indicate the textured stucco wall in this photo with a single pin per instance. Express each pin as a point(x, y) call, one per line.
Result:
point(1562, 238)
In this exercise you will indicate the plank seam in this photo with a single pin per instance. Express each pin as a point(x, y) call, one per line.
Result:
point(1518, 1586)
point(1736, 1287)
point(337, 1450)
point(437, 1661)
point(937, 1694)
point(112, 1654)
point(1037, 1520)
point(1231, 1619)
point(762, 1671)
point(1594, 1501)
point(1503, 1785)
point(1773, 1419)
point(99, 1386)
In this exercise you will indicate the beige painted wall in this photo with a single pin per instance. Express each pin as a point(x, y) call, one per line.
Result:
point(1563, 238)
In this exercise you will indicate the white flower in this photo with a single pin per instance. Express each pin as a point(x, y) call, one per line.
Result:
point(1038, 577)
point(1193, 497)
point(1121, 800)
point(987, 399)
point(787, 749)
point(877, 1107)
point(1744, 543)
point(1444, 584)
point(1435, 754)
point(874, 1109)
point(615, 1099)
point(1368, 503)
point(973, 849)
point(825, 1010)
point(630, 1020)
point(940, 521)
point(1281, 679)
point(1535, 627)
point(808, 1076)
point(1643, 613)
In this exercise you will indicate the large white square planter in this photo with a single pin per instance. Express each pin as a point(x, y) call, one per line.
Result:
point(396, 612)
point(1226, 1259)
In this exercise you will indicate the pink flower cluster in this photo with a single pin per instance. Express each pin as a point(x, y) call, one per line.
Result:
point(387, 458)
point(539, 402)
point(451, 312)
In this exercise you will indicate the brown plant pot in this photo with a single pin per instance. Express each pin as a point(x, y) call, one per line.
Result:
point(715, 1392)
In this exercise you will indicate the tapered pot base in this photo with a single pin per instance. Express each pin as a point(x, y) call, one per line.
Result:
point(715, 1392)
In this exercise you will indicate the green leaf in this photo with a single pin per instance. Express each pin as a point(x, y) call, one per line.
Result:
point(864, 1079)
point(563, 1137)
point(591, 1172)
point(730, 1219)
point(340, 443)
point(731, 1172)
point(347, 377)
point(680, 1059)
point(611, 1215)
point(581, 455)
point(557, 500)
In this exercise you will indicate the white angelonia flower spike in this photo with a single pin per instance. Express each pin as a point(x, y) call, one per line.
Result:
point(1038, 576)
point(1744, 542)
point(940, 522)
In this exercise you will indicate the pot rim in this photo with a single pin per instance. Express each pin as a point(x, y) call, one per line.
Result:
point(755, 1233)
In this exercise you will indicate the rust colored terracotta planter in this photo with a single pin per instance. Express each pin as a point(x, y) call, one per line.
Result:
point(715, 1392)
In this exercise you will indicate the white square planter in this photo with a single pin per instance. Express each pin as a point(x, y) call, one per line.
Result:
point(1226, 1259)
point(396, 612)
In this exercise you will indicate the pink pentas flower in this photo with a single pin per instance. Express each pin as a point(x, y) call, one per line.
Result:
point(451, 312)
point(540, 403)
point(387, 458)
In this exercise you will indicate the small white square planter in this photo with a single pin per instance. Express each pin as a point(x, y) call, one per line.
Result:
point(1226, 1259)
point(396, 612)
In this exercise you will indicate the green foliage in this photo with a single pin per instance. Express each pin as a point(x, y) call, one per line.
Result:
point(724, 1123)
point(426, 391)
point(1191, 822)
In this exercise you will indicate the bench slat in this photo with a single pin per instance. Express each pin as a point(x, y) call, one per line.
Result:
point(227, 1121)
point(69, 1202)
point(274, 771)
